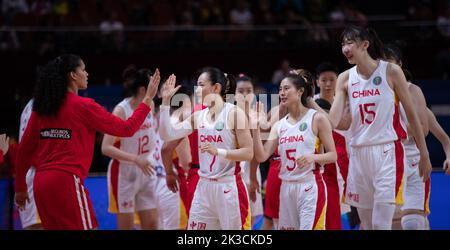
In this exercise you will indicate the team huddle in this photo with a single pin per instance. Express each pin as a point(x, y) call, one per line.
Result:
point(183, 159)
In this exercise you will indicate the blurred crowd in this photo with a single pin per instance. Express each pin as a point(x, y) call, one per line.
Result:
point(118, 24)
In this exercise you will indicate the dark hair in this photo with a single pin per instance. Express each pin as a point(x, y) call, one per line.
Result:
point(244, 78)
point(137, 78)
point(324, 104)
point(326, 66)
point(227, 81)
point(358, 33)
point(392, 51)
point(301, 78)
point(51, 85)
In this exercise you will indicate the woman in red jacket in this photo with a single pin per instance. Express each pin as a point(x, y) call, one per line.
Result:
point(59, 141)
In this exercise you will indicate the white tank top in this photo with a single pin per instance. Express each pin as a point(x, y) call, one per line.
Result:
point(372, 106)
point(295, 140)
point(25, 117)
point(143, 141)
point(220, 135)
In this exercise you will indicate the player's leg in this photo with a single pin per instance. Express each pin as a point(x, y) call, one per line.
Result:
point(313, 205)
point(146, 203)
point(201, 216)
point(289, 216)
point(232, 204)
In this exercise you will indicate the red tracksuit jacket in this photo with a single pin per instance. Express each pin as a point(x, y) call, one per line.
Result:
point(66, 142)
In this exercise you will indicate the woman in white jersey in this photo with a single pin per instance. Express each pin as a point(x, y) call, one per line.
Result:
point(245, 99)
point(130, 186)
point(415, 209)
point(373, 88)
point(220, 199)
point(298, 137)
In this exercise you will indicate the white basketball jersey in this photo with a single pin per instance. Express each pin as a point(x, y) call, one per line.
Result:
point(220, 135)
point(143, 141)
point(372, 106)
point(295, 140)
point(25, 117)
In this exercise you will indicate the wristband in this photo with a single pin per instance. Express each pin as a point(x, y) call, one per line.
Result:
point(222, 152)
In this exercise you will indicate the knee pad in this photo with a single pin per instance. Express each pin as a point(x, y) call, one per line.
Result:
point(414, 222)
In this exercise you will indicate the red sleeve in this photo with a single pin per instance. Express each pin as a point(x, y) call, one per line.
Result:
point(100, 119)
point(25, 151)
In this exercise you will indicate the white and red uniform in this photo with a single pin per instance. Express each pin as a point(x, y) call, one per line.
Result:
point(220, 199)
point(130, 190)
point(303, 192)
point(416, 192)
point(256, 208)
point(376, 154)
point(29, 215)
point(171, 210)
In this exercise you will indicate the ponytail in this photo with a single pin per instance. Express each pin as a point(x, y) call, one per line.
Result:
point(302, 78)
point(230, 85)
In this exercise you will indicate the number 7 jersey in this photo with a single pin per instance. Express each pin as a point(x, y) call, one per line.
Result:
point(374, 107)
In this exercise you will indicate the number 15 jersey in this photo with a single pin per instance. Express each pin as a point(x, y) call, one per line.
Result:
point(374, 108)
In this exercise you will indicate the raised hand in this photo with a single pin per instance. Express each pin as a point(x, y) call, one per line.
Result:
point(4, 143)
point(153, 84)
point(169, 89)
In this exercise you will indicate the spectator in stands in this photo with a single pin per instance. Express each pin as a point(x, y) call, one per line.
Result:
point(211, 13)
point(282, 72)
point(443, 22)
point(112, 31)
point(241, 14)
point(41, 7)
point(12, 7)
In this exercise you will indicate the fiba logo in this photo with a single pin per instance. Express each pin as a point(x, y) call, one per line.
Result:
point(377, 80)
point(219, 126)
point(302, 127)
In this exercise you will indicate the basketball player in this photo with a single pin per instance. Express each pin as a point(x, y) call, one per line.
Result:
point(59, 140)
point(29, 215)
point(220, 199)
point(298, 137)
point(373, 88)
point(245, 98)
point(131, 189)
point(415, 209)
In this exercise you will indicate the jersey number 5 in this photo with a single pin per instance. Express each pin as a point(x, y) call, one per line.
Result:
point(291, 158)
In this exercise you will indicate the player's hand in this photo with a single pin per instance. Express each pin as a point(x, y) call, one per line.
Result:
point(253, 188)
point(144, 164)
point(208, 148)
point(424, 167)
point(168, 89)
point(153, 84)
point(21, 198)
point(172, 182)
point(447, 166)
point(4, 143)
point(305, 160)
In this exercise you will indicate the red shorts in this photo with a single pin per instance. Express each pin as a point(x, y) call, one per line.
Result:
point(273, 184)
point(333, 215)
point(62, 201)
